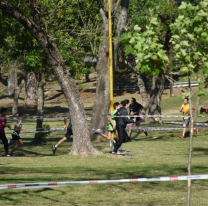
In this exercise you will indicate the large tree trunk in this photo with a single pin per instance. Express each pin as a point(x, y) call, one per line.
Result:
point(31, 87)
point(155, 98)
point(40, 107)
point(142, 87)
point(102, 97)
point(17, 91)
point(121, 24)
point(12, 77)
point(81, 136)
point(143, 92)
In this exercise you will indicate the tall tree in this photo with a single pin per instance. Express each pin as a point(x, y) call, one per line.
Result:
point(32, 19)
point(102, 97)
point(151, 57)
point(190, 39)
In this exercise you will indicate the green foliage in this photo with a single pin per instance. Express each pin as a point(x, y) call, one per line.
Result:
point(76, 33)
point(44, 135)
point(145, 46)
point(190, 39)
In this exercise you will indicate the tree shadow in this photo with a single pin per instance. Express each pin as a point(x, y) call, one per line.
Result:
point(200, 151)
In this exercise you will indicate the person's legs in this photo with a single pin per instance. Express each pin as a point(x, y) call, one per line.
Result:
point(17, 141)
point(121, 134)
point(61, 141)
point(5, 142)
point(67, 136)
point(130, 129)
point(107, 137)
point(16, 145)
point(184, 129)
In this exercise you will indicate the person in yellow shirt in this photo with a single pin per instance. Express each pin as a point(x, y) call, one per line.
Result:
point(185, 109)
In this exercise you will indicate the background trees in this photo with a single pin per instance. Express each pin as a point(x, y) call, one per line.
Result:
point(55, 36)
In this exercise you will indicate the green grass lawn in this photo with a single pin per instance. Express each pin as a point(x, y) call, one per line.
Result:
point(159, 154)
point(162, 153)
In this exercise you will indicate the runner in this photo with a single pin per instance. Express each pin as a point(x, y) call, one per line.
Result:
point(185, 108)
point(111, 126)
point(121, 123)
point(16, 139)
point(67, 135)
point(134, 109)
point(3, 124)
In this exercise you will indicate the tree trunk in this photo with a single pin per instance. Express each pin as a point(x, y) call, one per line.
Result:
point(121, 24)
point(12, 77)
point(40, 107)
point(142, 88)
point(155, 98)
point(190, 146)
point(171, 87)
point(81, 136)
point(16, 96)
point(143, 92)
point(31, 90)
point(102, 97)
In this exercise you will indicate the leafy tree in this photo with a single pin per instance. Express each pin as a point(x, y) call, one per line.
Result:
point(151, 58)
point(190, 39)
point(34, 16)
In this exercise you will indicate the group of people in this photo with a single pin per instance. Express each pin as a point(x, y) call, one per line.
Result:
point(116, 125)
point(16, 139)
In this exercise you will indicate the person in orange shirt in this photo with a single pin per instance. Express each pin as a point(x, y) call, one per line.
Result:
point(185, 108)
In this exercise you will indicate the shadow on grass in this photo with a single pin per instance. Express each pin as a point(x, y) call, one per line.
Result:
point(33, 194)
point(200, 151)
point(78, 173)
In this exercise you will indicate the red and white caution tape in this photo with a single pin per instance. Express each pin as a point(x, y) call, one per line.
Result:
point(70, 183)
point(93, 129)
point(66, 116)
point(204, 124)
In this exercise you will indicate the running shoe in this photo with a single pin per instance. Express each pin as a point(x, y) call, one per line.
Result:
point(121, 152)
point(111, 144)
point(54, 149)
point(97, 131)
point(9, 141)
point(196, 130)
point(181, 136)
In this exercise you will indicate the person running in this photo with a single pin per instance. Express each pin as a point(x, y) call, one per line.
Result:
point(134, 109)
point(121, 123)
point(3, 124)
point(111, 126)
point(67, 135)
point(185, 109)
point(16, 139)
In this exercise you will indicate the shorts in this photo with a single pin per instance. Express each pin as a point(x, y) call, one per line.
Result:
point(110, 128)
point(186, 120)
point(15, 137)
point(68, 133)
point(138, 119)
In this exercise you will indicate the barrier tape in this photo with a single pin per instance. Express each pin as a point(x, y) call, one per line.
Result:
point(66, 116)
point(159, 128)
point(133, 128)
point(70, 183)
point(204, 124)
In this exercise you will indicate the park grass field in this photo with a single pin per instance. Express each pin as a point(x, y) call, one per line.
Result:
point(161, 153)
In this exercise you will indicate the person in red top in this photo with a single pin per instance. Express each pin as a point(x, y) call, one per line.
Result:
point(3, 124)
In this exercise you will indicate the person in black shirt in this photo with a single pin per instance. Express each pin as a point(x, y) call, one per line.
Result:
point(134, 109)
point(121, 123)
